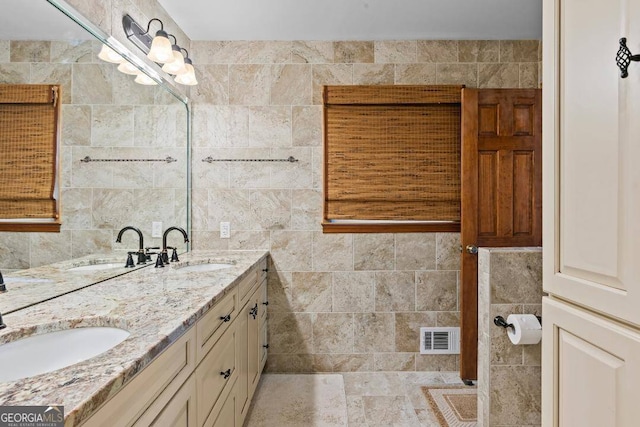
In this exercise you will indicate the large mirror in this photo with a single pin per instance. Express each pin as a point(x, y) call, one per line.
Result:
point(119, 140)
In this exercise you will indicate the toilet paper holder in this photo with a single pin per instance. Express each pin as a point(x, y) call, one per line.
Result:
point(499, 321)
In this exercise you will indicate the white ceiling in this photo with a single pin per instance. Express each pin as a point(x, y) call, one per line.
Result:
point(357, 19)
point(37, 20)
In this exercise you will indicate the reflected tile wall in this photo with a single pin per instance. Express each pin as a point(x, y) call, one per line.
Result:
point(339, 302)
point(104, 115)
point(509, 382)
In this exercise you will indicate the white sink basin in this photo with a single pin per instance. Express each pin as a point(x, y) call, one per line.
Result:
point(204, 267)
point(26, 280)
point(48, 352)
point(97, 267)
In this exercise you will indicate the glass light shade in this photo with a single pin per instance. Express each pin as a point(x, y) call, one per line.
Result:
point(187, 78)
point(109, 55)
point(128, 68)
point(143, 79)
point(161, 51)
point(177, 65)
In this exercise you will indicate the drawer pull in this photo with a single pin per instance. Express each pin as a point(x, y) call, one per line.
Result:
point(254, 311)
point(226, 374)
point(266, 270)
point(225, 318)
point(265, 303)
point(266, 346)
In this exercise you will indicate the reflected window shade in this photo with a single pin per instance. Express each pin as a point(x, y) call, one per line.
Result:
point(392, 153)
point(28, 151)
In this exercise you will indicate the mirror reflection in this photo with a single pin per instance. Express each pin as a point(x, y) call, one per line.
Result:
point(128, 131)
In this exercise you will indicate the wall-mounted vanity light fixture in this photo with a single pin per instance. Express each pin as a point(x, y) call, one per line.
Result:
point(109, 55)
point(160, 50)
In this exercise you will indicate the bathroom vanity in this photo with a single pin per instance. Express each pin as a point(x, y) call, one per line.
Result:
point(195, 353)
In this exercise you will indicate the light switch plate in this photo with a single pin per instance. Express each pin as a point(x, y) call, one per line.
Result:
point(156, 229)
point(225, 230)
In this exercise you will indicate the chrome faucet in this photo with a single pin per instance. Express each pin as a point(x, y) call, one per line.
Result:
point(174, 255)
point(142, 258)
point(3, 287)
point(2, 325)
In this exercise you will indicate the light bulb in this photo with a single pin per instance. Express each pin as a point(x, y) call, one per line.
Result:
point(189, 76)
point(143, 79)
point(109, 55)
point(128, 68)
point(177, 65)
point(161, 51)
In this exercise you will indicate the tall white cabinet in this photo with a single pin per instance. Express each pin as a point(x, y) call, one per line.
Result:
point(591, 225)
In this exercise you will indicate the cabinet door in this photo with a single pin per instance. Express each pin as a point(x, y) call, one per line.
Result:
point(180, 411)
point(591, 154)
point(215, 375)
point(588, 381)
point(242, 386)
point(254, 342)
point(226, 416)
point(264, 342)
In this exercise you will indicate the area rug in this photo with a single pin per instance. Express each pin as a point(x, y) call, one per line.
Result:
point(284, 400)
point(453, 406)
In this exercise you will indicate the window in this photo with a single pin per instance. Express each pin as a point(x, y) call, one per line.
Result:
point(391, 158)
point(29, 157)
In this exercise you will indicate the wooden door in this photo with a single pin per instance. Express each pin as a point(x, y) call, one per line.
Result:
point(501, 190)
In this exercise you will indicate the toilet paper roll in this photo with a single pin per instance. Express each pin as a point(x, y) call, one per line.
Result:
point(526, 329)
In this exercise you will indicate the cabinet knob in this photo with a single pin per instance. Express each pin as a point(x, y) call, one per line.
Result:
point(266, 346)
point(225, 318)
point(226, 374)
point(265, 303)
point(624, 58)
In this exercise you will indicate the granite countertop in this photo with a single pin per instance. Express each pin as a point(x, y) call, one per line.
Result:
point(34, 285)
point(156, 305)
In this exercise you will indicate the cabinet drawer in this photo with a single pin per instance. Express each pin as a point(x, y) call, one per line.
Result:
point(164, 375)
point(215, 322)
point(215, 374)
point(263, 301)
point(262, 267)
point(247, 286)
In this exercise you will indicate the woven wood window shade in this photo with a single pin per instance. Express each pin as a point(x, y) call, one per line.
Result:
point(28, 157)
point(391, 158)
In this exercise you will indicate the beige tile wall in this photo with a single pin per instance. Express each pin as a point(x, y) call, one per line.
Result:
point(104, 115)
point(509, 383)
point(338, 302)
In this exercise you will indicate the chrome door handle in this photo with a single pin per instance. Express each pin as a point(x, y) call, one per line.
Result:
point(472, 249)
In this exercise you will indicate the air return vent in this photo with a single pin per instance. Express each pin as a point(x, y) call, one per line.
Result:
point(439, 340)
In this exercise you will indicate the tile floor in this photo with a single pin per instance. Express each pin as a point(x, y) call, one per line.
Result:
point(375, 399)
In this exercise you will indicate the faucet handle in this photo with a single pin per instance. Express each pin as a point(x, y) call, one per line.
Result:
point(159, 263)
point(130, 263)
point(174, 254)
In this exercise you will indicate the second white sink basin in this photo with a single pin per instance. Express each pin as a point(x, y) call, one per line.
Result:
point(97, 267)
point(48, 352)
point(204, 267)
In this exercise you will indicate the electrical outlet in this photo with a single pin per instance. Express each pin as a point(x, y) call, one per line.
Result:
point(225, 230)
point(156, 229)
